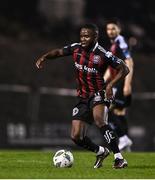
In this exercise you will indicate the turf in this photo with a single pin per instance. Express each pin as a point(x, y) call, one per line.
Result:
point(38, 165)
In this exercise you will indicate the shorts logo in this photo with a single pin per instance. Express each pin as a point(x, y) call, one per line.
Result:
point(97, 98)
point(75, 111)
point(96, 59)
point(109, 136)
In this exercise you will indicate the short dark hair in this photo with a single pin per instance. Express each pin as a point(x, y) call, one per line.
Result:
point(91, 26)
point(115, 21)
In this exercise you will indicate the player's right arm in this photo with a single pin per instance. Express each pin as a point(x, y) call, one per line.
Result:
point(49, 55)
point(55, 53)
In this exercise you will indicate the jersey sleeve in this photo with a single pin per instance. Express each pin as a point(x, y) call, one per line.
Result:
point(69, 49)
point(112, 60)
point(124, 47)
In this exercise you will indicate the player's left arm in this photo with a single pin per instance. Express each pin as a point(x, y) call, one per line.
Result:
point(129, 63)
point(107, 75)
point(122, 71)
point(127, 90)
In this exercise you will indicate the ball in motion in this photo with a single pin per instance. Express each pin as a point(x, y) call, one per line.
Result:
point(63, 158)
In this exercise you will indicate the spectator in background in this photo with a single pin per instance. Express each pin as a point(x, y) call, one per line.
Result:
point(123, 89)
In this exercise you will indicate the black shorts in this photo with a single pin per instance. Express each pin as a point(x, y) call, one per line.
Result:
point(83, 108)
point(121, 101)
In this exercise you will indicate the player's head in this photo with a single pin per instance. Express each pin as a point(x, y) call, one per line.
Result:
point(88, 35)
point(113, 28)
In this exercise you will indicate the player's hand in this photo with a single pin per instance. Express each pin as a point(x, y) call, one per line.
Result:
point(40, 62)
point(111, 107)
point(127, 90)
point(109, 92)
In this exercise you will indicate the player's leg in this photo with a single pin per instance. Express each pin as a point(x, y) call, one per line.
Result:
point(82, 116)
point(101, 156)
point(108, 134)
point(78, 135)
point(118, 122)
point(118, 116)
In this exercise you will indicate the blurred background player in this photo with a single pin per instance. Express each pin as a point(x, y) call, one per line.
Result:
point(91, 61)
point(123, 89)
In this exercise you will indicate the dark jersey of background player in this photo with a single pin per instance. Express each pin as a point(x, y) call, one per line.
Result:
point(123, 89)
point(91, 61)
point(120, 49)
point(90, 67)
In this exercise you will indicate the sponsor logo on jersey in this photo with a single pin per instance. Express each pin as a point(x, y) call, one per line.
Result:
point(85, 68)
point(96, 59)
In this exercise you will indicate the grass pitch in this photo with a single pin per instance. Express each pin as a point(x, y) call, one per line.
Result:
point(38, 165)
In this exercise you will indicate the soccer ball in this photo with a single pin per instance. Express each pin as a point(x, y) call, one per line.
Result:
point(63, 158)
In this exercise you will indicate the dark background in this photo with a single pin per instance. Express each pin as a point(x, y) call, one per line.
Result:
point(33, 118)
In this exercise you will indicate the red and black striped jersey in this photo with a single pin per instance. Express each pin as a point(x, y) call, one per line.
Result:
point(90, 67)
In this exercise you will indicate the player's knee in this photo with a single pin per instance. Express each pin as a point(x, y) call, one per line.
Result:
point(99, 121)
point(119, 112)
point(75, 136)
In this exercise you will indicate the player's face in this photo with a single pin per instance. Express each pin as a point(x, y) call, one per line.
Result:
point(87, 38)
point(112, 30)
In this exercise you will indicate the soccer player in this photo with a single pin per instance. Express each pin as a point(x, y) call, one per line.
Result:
point(122, 89)
point(91, 60)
